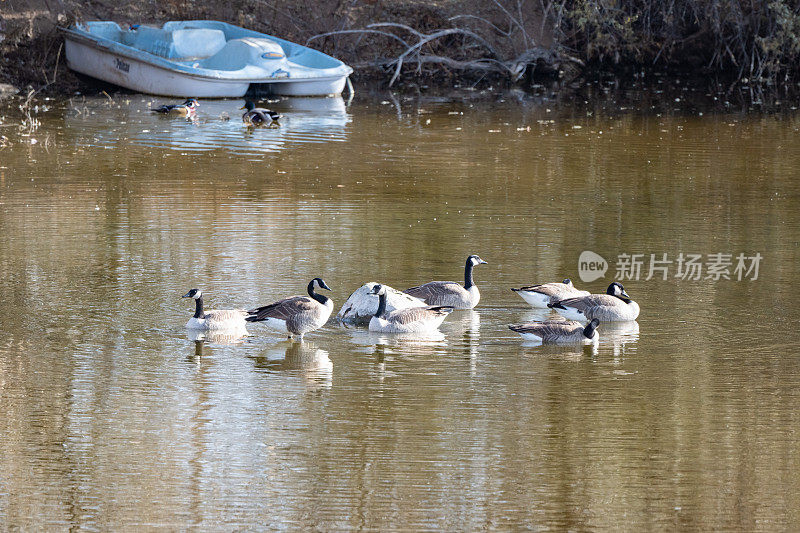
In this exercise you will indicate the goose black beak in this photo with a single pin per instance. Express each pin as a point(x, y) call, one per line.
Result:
point(324, 285)
point(187, 295)
point(625, 294)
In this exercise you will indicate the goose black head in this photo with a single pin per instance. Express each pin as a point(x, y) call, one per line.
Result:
point(567, 281)
point(475, 260)
point(319, 282)
point(378, 289)
point(194, 293)
point(616, 289)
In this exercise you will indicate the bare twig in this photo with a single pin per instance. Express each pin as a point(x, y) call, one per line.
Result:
point(58, 57)
point(481, 19)
point(515, 22)
point(396, 25)
point(343, 32)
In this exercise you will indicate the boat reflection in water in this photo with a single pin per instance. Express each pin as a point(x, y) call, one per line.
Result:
point(218, 125)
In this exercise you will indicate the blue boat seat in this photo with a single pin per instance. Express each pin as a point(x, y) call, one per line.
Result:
point(178, 44)
point(197, 42)
point(238, 53)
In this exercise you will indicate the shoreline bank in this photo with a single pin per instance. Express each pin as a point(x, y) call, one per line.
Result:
point(529, 48)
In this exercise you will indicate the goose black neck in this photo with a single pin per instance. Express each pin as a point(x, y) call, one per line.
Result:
point(588, 331)
point(381, 305)
point(318, 297)
point(198, 308)
point(468, 274)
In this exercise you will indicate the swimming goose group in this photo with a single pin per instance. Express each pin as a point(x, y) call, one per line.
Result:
point(430, 305)
point(576, 306)
point(296, 315)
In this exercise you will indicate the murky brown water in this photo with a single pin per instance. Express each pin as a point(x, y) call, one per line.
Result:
point(114, 417)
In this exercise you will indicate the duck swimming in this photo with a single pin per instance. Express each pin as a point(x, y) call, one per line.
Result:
point(258, 116)
point(186, 109)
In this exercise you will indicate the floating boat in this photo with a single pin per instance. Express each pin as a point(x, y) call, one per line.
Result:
point(200, 58)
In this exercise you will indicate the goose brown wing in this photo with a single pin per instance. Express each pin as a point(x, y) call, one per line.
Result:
point(549, 289)
point(548, 328)
point(434, 290)
point(581, 303)
point(419, 314)
point(282, 309)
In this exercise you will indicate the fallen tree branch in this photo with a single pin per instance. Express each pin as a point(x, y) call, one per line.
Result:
point(433, 36)
point(487, 56)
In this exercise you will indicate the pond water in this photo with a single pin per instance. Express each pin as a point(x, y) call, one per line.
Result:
point(114, 416)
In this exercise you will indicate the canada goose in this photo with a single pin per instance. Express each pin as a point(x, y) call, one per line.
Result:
point(450, 293)
point(540, 295)
point(412, 320)
point(186, 109)
point(296, 315)
point(256, 116)
point(613, 306)
point(558, 331)
point(360, 307)
point(228, 319)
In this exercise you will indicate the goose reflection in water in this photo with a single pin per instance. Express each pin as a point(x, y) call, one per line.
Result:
point(202, 339)
point(621, 337)
point(463, 328)
point(303, 358)
point(216, 336)
point(537, 315)
point(431, 339)
point(565, 352)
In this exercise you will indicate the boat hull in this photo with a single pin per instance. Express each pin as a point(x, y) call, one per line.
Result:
point(144, 77)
